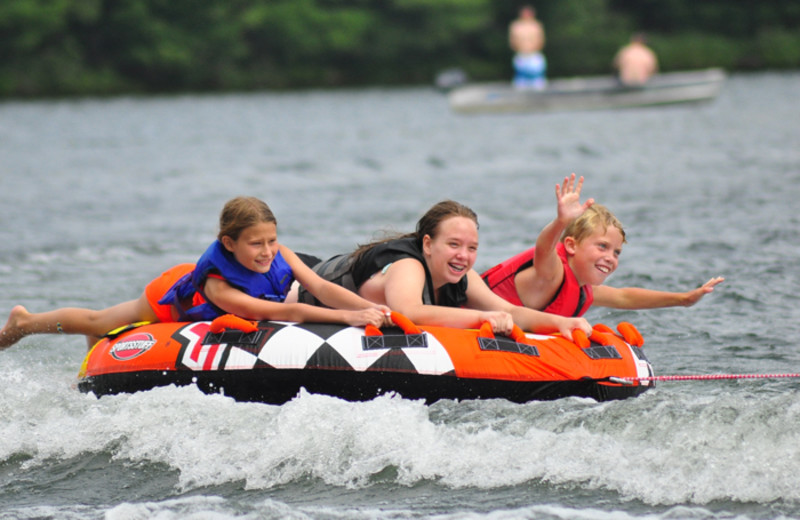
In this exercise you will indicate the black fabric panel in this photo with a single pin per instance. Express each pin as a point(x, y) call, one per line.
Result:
point(279, 386)
point(394, 360)
point(326, 357)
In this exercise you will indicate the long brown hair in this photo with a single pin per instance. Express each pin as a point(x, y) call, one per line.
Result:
point(428, 224)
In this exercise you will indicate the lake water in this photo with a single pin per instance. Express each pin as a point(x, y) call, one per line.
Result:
point(99, 196)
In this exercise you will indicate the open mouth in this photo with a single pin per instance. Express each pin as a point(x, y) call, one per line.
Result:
point(459, 269)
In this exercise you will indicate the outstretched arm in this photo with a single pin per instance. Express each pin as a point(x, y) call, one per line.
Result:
point(481, 297)
point(329, 293)
point(547, 323)
point(241, 304)
point(639, 298)
point(402, 285)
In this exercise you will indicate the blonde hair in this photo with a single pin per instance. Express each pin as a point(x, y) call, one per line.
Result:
point(240, 213)
point(595, 217)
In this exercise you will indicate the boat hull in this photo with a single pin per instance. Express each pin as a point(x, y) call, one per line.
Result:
point(589, 93)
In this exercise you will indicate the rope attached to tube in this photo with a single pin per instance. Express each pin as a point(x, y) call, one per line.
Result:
point(698, 377)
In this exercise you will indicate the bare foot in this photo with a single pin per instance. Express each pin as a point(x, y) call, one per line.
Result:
point(13, 330)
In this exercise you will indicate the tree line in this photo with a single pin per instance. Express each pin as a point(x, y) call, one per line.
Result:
point(101, 47)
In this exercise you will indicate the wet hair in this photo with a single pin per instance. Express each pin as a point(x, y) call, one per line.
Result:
point(428, 224)
point(593, 218)
point(240, 213)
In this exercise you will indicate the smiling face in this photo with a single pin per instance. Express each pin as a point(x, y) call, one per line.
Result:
point(452, 252)
point(256, 246)
point(595, 257)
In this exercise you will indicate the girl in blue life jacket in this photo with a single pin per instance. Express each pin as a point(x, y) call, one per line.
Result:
point(245, 272)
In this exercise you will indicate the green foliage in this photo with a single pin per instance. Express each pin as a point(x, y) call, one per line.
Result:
point(73, 47)
point(681, 52)
point(779, 48)
point(583, 36)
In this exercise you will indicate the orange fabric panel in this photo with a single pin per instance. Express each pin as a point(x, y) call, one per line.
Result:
point(156, 289)
point(558, 359)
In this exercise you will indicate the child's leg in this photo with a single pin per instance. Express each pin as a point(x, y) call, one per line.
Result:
point(73, 320)
point(120, 315)
point(14, 328)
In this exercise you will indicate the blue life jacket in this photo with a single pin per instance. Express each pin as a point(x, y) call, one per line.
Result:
point(273, 285)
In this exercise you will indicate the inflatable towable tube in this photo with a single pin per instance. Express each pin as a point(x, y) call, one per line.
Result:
point(271, 361)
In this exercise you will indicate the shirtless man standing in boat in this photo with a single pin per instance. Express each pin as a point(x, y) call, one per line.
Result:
point(526, 38)
point(635, 62)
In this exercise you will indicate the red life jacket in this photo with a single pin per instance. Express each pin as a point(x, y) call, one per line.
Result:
point(570, 300)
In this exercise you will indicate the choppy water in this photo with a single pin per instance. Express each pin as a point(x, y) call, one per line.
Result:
point(98, 196)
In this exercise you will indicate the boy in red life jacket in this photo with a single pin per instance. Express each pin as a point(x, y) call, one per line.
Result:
point(574, 254)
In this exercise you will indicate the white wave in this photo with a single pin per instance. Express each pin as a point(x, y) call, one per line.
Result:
point(668, 447)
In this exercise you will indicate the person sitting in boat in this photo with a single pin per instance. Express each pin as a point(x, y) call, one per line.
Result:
point(245, 272)
point(635, 63)
point(526, 39)
point(427, 276)
point(574, 254)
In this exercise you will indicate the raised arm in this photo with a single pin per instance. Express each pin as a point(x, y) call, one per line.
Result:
point(639, 298)
point(537, 284)
point(569, 207)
